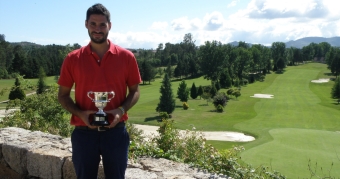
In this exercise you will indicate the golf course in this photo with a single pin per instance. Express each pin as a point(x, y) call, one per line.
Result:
point(297, 131)
point(291, 115)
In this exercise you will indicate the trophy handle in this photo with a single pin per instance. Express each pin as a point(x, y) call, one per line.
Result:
point(88, 95)
point(113, 95)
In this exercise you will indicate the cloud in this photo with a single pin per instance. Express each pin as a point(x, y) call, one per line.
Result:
point(147, 40)
point(265, 9)
point(159, 26)
point(262, 21)
point(180, 23)
point(213, 21)
point(233, 3)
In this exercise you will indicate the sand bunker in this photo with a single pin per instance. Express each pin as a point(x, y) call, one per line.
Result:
point(321, 80)
point(263, 96)
point(220, 136)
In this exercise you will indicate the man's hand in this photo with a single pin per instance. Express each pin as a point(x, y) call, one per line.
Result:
point(84, 116)
point(117, 115)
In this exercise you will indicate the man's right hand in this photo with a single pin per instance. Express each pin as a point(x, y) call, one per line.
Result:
point(85, 117)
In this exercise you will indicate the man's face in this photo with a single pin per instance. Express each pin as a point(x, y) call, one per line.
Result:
point(98, 28)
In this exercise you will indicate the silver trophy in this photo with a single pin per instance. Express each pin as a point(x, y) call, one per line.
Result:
point(100, 100)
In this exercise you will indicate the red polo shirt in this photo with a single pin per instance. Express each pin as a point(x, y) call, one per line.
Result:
point(117, 70)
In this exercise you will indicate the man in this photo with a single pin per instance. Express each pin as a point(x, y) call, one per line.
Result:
point(100, 66)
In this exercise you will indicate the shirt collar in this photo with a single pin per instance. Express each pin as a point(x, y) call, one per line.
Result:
point(112, 49)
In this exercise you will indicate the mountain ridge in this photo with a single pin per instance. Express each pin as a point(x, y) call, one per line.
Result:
point(305, 41)
point(299, 43)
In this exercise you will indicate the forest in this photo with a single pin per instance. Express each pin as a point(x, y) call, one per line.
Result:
point(215, 61)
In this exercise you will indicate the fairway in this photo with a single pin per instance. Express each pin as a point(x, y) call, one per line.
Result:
point(293, 127)
point(298, 124)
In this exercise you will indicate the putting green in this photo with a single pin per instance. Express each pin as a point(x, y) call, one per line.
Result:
point(292, 149)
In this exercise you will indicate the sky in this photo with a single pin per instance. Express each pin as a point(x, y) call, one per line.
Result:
point(147, 23)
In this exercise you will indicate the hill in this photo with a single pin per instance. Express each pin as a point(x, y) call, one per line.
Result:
point(299, 43)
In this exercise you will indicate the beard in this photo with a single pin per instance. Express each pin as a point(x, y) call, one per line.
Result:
point(98, 40)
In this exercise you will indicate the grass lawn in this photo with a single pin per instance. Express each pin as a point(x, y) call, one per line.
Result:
point(300, 124)
point(8, 83)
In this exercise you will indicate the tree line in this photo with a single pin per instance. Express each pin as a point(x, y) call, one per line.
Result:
point(223, 62)
point(213, 60)
point(27, 58)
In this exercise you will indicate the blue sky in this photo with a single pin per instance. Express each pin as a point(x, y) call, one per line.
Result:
point(147, 23)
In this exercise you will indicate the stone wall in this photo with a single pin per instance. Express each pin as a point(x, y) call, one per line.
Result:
point(27, 154)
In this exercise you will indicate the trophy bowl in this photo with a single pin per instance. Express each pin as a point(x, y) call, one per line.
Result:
point(100, 100)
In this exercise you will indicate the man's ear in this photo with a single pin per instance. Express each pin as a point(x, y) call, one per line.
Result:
point(109, 25)
point(86, 23)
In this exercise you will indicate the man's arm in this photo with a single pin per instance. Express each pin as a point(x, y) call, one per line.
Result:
point(132, 97)
point(129, 102)
point(66, 102)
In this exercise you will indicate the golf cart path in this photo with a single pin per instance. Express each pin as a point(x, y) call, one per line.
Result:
point(152, 130)
point(220, 136)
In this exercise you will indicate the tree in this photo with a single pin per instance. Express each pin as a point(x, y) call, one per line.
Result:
point(41, 86)
point(225, 80)
point(183, 92)
point(193, 91)
point(278, 53)
point(336, 89)
point(217, 85)
point(213, 91)
point(213, 60)
point(168, 71)
point(16, 91)
point(167, 101)
point(200, 91)
point(147, 71)
point(220, 99)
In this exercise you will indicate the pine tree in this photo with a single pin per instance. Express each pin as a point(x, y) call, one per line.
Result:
point(183, 92)
point(200, 91)
point(193, 91)
point(336, 89)
point(167, 100)
point(41, 81)
point(16, 91)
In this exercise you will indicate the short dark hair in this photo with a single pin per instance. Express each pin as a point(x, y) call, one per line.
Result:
point(98, 9)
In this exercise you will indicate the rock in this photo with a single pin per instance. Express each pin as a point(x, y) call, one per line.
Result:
point(26, 154)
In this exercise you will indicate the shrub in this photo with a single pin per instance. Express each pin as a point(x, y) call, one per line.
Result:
point(16, 91)
point(220, 99)
point(40, 112)
point(230, 91)
point(219, 108)
point(164, 115)
point(185, 106)
point(237, 93)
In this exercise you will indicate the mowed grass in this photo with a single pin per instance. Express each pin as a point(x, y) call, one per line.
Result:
point(9, 83)
point(299, 124)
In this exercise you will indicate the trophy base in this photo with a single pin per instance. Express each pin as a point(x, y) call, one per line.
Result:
point(100, 120)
